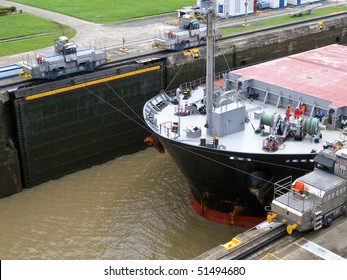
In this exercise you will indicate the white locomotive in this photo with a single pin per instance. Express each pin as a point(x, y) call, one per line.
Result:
point(315, 199)
point(67, 58)
point(190, 33)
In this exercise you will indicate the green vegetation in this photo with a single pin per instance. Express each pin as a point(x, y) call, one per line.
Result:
point(25, 32)
point(7, 10)
point(109, 11)
point(281, 20)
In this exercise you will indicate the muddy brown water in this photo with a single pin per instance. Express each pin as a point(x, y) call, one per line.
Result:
point(133, 207)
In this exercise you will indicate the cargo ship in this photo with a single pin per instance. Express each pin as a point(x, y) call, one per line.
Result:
point(233, 135)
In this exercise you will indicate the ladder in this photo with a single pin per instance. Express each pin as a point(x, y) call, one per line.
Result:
point(317, 220)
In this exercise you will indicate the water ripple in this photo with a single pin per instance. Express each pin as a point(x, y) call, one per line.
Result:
point(134, 207)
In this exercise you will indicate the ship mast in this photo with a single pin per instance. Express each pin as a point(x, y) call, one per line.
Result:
point(210, 67)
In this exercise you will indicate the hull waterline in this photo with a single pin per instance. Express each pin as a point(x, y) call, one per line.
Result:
point(233, 188)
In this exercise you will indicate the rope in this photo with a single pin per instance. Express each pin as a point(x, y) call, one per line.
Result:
point(188, 150)
point(266, 119)
point(141, 124)
point(175, 76)
point(223, 53)
point(124, 114)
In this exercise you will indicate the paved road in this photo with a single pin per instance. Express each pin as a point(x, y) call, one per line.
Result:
point(138, 34)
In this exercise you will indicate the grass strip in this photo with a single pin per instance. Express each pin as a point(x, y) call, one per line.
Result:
point(109, 11)
point(25, 32)
point(281, 20)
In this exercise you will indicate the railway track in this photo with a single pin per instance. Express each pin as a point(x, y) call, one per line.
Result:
point(17, 83)
point(248, 247)
point(259, 242)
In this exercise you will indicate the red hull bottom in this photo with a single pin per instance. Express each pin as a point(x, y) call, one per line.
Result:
point(225, 218)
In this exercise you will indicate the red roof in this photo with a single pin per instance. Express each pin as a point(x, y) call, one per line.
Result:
point(320, 72)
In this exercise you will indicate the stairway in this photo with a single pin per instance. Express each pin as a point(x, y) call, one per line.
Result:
point(317, 220)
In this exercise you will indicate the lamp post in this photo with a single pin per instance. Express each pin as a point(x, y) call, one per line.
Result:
point(246, 12)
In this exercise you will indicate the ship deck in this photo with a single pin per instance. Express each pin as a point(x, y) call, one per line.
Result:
point(247, 139)
point(320, 73)
point(318, 77)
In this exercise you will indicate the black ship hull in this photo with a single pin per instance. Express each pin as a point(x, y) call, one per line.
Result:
point(233, 187)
